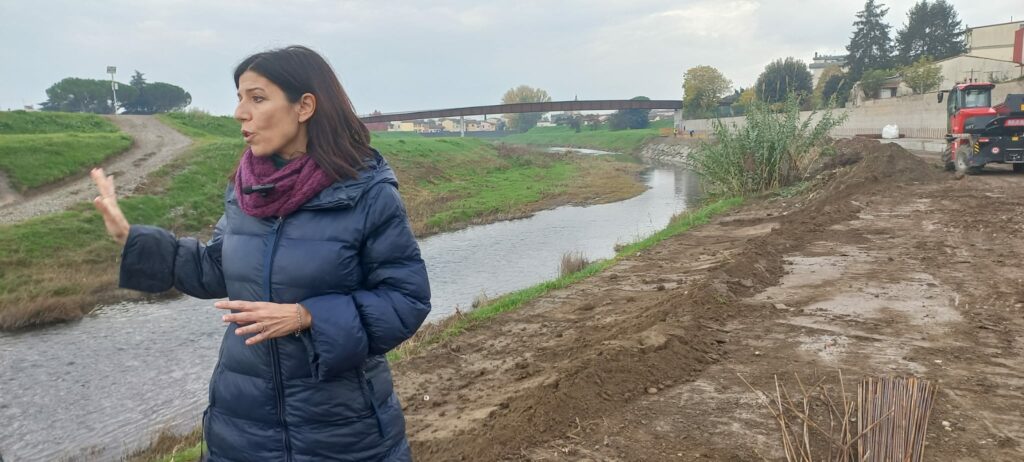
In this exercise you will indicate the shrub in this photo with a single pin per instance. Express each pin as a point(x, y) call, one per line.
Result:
point(772, 149)
point(573, 262)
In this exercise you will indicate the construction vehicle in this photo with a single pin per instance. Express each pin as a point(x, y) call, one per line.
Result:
point(978, 133)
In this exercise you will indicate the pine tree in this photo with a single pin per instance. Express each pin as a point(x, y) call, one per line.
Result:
point(870, 47)
point(912, 39)
point(138, 80)
point(932, 30)
point(950, 35)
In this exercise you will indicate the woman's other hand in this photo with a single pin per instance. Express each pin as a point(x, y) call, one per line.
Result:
point(264, 320)
point(106, 203)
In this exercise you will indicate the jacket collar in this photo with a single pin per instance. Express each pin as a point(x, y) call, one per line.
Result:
point(345, 193)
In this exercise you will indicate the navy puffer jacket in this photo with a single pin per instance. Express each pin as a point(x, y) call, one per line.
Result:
point(348, 256)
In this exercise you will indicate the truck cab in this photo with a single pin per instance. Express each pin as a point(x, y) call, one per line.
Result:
point(966, 102)
point(979, 133)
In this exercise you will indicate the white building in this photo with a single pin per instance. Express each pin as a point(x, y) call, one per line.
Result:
point(993, 41)
point(821, 62)
point(988, 59)
point(989, 56)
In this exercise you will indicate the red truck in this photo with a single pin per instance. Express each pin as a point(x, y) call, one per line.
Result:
point(979, 133)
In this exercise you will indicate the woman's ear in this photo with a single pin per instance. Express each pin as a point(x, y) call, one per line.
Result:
point(307, 106)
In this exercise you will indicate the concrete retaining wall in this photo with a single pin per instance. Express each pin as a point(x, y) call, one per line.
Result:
point(918, 116)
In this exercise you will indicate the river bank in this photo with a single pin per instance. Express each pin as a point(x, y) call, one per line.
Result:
point(640, 362)
point(650, 358)
point(58, 267)
point(624, 141)
point(118, 396)
point(454, 259)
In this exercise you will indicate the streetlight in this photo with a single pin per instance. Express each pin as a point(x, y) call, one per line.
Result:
point(113, 85)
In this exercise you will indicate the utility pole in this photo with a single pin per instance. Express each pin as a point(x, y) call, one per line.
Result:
point(113, 85)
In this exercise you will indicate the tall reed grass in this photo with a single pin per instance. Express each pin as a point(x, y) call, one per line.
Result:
point(774, 148)
point(572, 262)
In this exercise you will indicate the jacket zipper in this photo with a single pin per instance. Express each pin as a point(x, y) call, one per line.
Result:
point(372, 397)
point(275, 360)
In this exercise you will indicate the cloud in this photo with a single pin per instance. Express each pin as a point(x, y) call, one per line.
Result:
point(707, 19)
point(410, 55)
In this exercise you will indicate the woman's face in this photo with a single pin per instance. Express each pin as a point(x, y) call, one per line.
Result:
point(270, 123)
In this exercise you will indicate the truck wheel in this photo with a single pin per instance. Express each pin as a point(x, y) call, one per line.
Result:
point(1017, 168)
point(947, 159)
point(962, 167)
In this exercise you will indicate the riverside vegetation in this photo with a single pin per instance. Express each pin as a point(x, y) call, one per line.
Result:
point(602, 138)
point(773, 149)
point(40, 148)
point(56, 267)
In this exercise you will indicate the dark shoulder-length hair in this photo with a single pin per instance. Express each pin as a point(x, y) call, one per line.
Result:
point(338, 141)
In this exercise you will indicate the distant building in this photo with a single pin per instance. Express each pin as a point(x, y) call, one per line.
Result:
point(377, 126)
point(451, 125)
point(660, 114)
point(472, 125)
point(989, 58)
point(821, 62)
point(994, 41)
point(402, 126)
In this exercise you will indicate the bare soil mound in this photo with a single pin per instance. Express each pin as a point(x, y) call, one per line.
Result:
point(640, 362)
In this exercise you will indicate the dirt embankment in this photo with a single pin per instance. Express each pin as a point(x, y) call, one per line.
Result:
point(887, 267)
point(155, 145)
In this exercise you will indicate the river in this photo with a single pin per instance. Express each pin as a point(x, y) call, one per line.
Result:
point(89, 390)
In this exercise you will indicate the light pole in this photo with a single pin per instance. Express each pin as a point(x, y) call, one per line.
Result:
point(113, 85)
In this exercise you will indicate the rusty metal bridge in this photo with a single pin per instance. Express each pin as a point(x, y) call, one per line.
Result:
point(514, 108)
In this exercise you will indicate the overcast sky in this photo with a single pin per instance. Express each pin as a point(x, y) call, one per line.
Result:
point(411, 55)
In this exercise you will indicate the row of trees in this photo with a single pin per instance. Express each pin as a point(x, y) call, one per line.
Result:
point(96, 96)
point(933, 31)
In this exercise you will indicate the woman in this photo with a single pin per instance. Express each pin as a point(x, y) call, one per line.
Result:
point(321, 269)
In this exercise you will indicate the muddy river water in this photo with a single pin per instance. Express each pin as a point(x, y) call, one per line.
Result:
point(94, 389)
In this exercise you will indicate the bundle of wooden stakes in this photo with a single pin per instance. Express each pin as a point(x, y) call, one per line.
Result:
point(893, 418)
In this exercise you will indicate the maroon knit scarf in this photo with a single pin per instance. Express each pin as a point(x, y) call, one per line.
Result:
point(294, 184)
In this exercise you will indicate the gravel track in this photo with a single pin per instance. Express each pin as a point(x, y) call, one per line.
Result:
point(155, 145)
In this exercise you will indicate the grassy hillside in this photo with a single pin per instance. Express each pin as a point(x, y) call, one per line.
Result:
point(35, 123)
point(626, 141)
point(37, 148)
point(56, 267)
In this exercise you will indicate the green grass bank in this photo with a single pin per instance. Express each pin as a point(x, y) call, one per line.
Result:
point(38, 148)
point(624, 141)
point(58, 267)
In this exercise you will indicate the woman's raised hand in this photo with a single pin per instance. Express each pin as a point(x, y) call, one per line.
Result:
point(106, 203)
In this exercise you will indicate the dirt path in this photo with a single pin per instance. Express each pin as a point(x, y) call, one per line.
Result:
point(155, 145)
point(891, 268)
